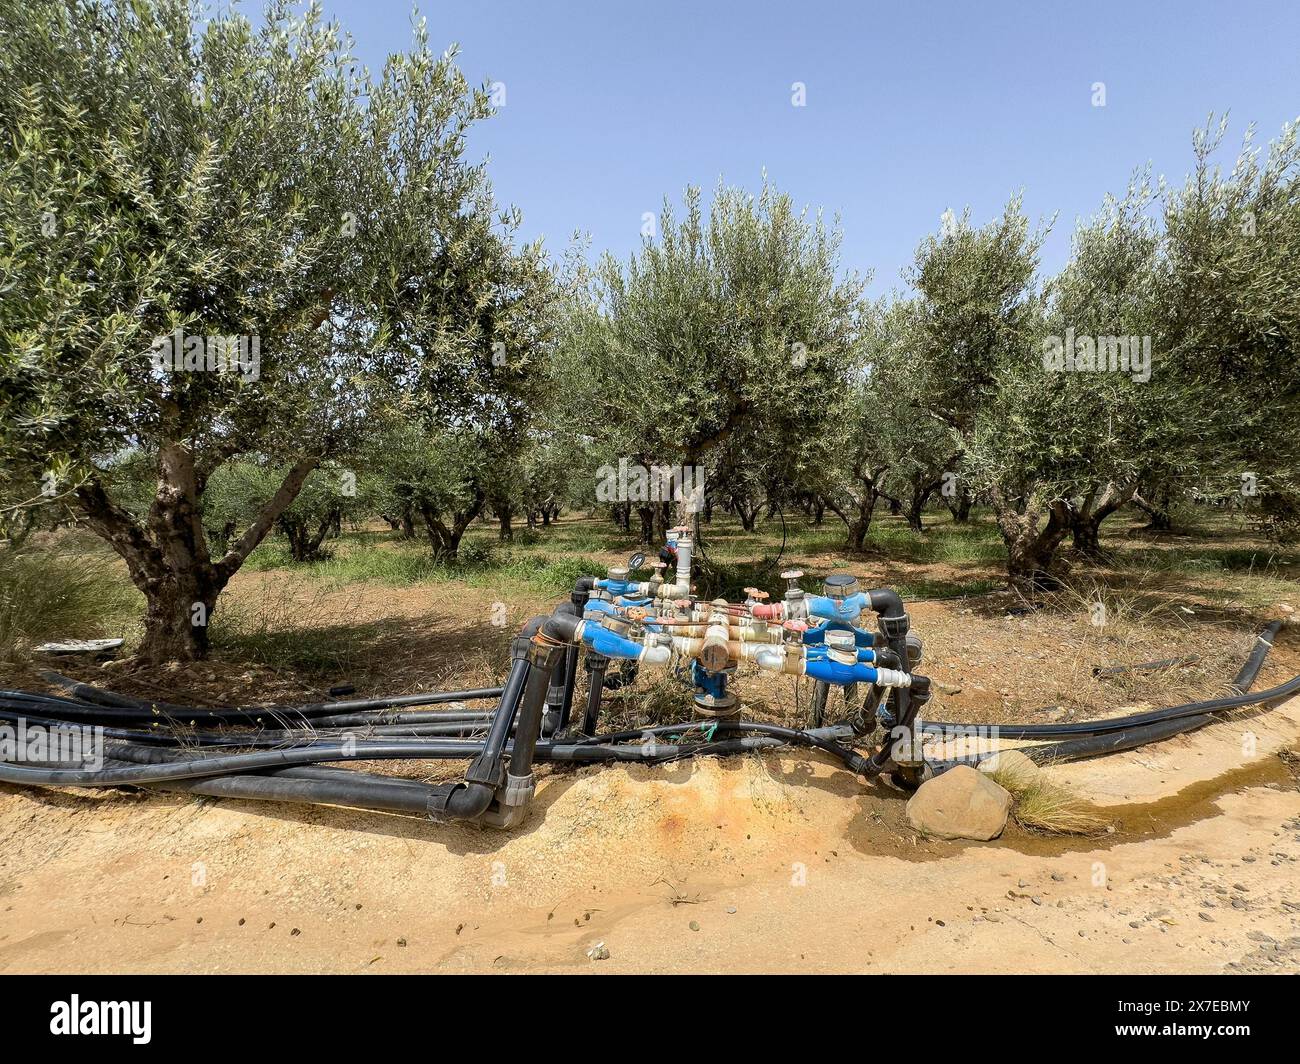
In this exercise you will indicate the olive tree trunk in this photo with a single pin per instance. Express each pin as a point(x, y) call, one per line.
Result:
point(167, 555)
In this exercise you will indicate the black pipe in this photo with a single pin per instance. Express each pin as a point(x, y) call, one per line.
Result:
point(1244, 679)
point(1100, 671)
point(1112, 742)
point(570, 682)
point(578, 599)
point(315, 792)
point(894, 625)
point(596, 666)
point(541, 665)
point(251, 714)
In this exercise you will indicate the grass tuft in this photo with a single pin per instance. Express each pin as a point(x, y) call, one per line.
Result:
point(1042, 805)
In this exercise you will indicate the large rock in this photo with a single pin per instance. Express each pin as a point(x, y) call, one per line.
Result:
point(1011, 769)
point(960, 804)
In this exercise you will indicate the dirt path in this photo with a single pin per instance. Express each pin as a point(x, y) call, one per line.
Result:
point(773, 864)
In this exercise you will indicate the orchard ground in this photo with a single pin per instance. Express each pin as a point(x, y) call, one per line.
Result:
point(775, 863)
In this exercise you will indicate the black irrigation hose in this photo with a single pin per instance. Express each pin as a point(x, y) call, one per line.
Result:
point(1100, 671)
point(851, 758)
point(259, 738)
point(1243, 681)
point(236, 763)
point(1131, 738)
point(152, 709)
point(1139, 729)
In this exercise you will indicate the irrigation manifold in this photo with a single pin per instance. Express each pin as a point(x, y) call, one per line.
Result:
point(859, 641)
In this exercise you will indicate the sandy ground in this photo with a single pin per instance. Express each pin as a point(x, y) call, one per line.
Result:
point(780, 863)
point(753, 865)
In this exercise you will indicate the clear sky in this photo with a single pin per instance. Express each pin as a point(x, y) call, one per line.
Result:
point(911, 108)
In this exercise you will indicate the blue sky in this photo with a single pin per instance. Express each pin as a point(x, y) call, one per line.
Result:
point(912, 108)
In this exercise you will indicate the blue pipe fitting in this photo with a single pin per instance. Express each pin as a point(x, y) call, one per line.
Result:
point(818, 653)
point(817, 636)
point(711, 684)
point(615, 587)
point(846, 611)
point(603, 641)
point(837, 673)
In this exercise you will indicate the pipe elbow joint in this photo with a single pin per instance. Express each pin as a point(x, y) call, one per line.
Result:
point(459, 801)
point(562, 627)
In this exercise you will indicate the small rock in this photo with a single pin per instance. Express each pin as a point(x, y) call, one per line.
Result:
point(960, 804)
point(1012, 766)
point(1206, 917)
point(694, 925)
point(598, 952)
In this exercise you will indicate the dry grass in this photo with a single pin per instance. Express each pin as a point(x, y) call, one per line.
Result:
point(1041, 805)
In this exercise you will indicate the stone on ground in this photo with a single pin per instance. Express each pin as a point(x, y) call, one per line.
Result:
point(960, 804)
point(1014, 768)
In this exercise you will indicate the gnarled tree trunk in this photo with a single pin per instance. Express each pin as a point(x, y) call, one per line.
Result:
point(444, 538)
point(1031, 542)
point(1087, 516)
point(167, 555)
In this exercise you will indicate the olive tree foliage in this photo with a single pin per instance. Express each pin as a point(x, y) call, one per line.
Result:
point(715, 345)
point(1230, 298)
point(163, 177)
point(329, 496)
point(980, 355)
point(923, 450)
point(879, 436)
point(1085, 411)
point(433, 478)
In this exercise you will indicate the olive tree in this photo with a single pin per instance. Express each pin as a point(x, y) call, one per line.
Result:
point(716, 345)
point(219, 239)
point(1230, 299)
